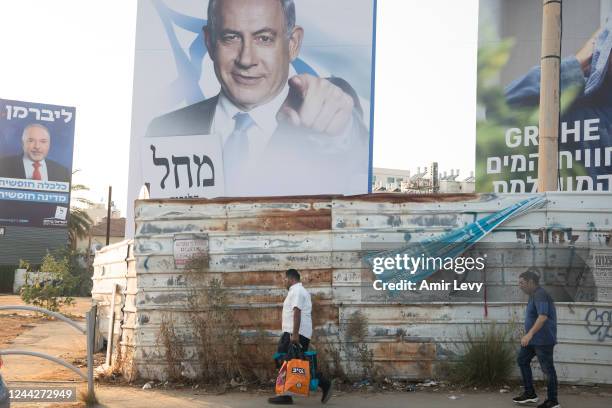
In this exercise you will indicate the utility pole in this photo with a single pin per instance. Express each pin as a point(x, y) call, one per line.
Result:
point(108, 214)
point(548, 150)
point(88, 258)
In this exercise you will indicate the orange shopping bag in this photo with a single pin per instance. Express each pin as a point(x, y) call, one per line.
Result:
point(294, 376)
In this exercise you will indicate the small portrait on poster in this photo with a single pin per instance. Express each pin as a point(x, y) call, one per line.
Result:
point(33, 163)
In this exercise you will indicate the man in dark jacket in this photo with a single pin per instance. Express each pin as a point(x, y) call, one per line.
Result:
point(539, 340)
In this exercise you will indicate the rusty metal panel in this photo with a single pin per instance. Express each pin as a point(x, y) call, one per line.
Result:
point(268, 223)
point(278, 223)
point(394, 221)
point(239, 242)
point(263, 280)
point(164, 226)
point(176, 297)
point(171, 210)
point(243, 263)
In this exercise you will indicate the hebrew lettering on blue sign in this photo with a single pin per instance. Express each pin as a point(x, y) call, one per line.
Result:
point(33, 196)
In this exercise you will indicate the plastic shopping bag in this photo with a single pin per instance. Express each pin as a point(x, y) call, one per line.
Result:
point(294, 375)
point(298, 378)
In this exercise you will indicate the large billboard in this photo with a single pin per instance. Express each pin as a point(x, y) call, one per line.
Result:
point(252, 98)
point(509, 91)
point(36, 143)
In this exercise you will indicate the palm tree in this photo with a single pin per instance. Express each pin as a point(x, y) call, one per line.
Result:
point(79, 222)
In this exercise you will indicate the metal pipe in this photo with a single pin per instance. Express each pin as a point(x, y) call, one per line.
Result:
point(111, 327)
point(47, 312)
point(89, 331)
point(548, 149)
point(91, 334)
point(46, 357)
point(108, 214)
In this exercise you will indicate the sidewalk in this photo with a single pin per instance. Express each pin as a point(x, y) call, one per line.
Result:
point(61, 340)
point(115, 397)
point(50, 337)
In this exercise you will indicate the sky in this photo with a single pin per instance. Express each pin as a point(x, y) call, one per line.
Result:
point(81, 53)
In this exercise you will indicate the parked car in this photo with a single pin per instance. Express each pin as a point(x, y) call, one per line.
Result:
point(4, 394)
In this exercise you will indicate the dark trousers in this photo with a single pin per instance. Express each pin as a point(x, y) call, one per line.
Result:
point(545, 357)
point(283, 347)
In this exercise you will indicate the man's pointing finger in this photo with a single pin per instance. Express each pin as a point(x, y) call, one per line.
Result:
point(299, 84)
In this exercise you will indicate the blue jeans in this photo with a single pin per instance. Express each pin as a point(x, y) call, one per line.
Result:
point(545, 357)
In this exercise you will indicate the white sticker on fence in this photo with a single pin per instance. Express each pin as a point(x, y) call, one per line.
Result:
point(188, 247)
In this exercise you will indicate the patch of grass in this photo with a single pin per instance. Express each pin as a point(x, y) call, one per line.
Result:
point(486, 357)
point(174, 351)
point(329, 361)
point(358, 350)
point(216, 333)
point(349, 344)
point(357, 327)
point(224, 351)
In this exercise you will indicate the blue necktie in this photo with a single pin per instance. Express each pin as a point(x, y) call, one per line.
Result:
point(236, 151)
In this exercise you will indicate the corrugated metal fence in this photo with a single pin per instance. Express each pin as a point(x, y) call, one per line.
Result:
point(251, 242)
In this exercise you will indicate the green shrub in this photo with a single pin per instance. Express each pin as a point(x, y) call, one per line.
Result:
point(77, 272)
point(486, 357)
point(51, 291)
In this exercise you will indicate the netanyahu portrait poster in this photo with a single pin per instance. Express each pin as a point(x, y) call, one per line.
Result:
point(240, 98)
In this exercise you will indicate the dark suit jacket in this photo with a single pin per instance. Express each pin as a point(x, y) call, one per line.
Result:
point(12, 167)
point(291, 155)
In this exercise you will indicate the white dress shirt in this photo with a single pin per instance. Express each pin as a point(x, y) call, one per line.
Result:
point(298, 297)
point(262, 160)
point(258, 135)
point(264, 117)
point(28, 166)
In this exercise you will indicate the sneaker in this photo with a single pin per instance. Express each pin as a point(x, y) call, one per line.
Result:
point(525, 398)
point(549, 404)
point(327, 388)
point(281, 400)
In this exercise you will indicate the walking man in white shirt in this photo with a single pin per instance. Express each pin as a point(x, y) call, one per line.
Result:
point(297, 329)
